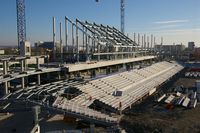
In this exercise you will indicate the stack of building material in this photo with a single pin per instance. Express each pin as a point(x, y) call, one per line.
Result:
point(161, 98)
point(186, 102)
point(169, 99)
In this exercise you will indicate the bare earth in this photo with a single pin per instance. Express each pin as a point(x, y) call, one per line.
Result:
point(148, 116)
point(22, 122)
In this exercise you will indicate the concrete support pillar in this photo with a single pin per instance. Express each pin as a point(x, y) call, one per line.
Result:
point(107, 51)
point(118, 67)
point(59, 75)
point(108, 70)
point(25, 65)
point(92, 128)
point(122, 51)
point(67, 75)
point(124, 66)
point(22, 65)
point(5, 67)
point(115, 56)
point(99, 47)
point(38, 79)
point(7, 64)
point(8, 84)
point(48, 76)
point(5, 71)
point(36, 112)
point(128, 55)
point(22, 69)
point(23, 83)
point(93, 73)
point(94, 45)
point(38, 63)
point(5, 87)
point(151, 61)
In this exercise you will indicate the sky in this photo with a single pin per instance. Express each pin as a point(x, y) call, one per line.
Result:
point(177, 21)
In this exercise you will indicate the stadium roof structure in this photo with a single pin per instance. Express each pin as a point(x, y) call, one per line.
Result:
point(107, 34)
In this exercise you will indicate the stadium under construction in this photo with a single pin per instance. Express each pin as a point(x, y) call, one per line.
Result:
point(94, 77)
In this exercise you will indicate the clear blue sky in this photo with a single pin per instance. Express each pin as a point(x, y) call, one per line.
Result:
point(176, 20)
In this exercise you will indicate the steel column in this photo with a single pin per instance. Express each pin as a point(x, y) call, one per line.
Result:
point(66, 35)
point(77, 44)
point(54, 39)
point(61, 45)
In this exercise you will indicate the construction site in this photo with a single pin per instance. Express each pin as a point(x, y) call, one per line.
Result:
point(173, 108)
point(96, 79)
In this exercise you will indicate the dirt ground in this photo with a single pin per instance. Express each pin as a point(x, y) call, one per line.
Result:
point(151, 117)
point(22, 122)
point(186, 82)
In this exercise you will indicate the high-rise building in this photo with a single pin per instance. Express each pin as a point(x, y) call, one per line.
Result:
point(191, 45)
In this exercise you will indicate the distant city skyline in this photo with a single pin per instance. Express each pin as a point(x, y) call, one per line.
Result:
point(177, 21)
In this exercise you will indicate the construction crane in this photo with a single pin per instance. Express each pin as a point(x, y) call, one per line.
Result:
point(21, 21)
point(122, 7)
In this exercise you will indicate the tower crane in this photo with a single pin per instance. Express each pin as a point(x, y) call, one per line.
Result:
point(21, 21)
point(122, 8)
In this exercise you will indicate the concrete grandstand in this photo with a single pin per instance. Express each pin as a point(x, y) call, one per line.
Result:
point(113, 93)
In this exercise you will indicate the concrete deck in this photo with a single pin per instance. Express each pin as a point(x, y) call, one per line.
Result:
point(28, 73)
point(92, 65)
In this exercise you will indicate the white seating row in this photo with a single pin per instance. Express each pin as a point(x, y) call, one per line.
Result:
point(83, 99)
point(138, 83)
point(73, 107)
